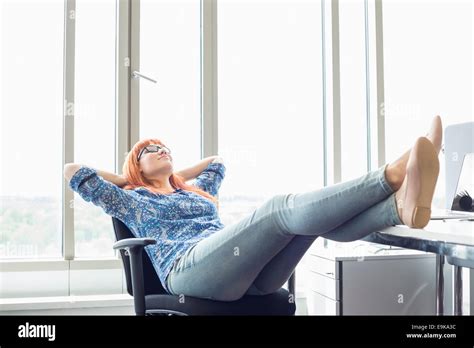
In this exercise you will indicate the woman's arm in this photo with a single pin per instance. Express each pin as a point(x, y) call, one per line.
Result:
point(194, 171)
point(125, 205)
point(71, 168)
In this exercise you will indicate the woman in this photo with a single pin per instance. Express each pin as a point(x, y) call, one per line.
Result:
point(196, 255)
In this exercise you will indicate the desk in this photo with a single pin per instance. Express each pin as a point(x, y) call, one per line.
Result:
point(450, 239)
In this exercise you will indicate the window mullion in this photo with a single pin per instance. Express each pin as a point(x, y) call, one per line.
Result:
point(336, 92)
point(209, 121)
point(134, 84)
point(68, 126)
point(380, 83)
point(367, 87)
point(122, 80)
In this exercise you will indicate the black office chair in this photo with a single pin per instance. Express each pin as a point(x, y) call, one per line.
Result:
point(151, 299)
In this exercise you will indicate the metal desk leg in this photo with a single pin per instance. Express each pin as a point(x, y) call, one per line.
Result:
point(439, 285)
point(457, 290)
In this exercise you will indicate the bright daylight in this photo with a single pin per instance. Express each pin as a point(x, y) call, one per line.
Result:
point(236, 158)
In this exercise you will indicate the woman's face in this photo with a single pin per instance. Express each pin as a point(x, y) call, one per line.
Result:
point(155, 163)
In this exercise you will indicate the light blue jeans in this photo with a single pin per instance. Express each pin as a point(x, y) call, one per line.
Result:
point(258, 254)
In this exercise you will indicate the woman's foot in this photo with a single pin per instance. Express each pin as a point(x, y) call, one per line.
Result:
point(416, 192)
point(396, 171)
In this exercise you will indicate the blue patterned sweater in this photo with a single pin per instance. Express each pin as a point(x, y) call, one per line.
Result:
point(177, 221)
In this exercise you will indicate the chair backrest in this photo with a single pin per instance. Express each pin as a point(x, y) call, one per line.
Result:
point(150, 278)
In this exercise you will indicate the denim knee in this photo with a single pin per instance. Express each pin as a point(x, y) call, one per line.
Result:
point(281, 206)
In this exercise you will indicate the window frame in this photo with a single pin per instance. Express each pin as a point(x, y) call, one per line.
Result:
point(127, 112)
point(127, 121)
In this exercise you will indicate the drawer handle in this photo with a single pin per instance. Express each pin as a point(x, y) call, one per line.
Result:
point(330, 273)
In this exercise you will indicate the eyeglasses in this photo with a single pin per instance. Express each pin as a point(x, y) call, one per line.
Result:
point(152, 148)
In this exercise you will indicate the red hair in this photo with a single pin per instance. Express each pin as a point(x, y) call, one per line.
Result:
point(135, 178)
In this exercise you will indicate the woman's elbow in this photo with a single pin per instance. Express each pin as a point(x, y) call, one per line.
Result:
point(218, 159)
point(70, 169)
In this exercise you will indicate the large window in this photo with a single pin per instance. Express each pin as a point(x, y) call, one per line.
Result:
point(428, 71)
point(270, 101)
point(31, 128)
point(353, 88)
point(170, 52)
point(94, 121)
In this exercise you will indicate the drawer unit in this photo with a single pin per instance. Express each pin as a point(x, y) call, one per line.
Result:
point(389, 287)
point(324, 285)
point(323, 266)
point(321, 305)
point(395, 283)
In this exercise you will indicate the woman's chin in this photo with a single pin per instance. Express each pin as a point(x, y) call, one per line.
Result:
point(159, 172)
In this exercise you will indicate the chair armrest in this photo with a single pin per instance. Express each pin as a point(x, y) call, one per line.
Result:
point(135, 247)
point(133, 242)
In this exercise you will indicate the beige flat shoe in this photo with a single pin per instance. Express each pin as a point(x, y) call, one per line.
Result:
point(435, 135)
point(416, 193)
